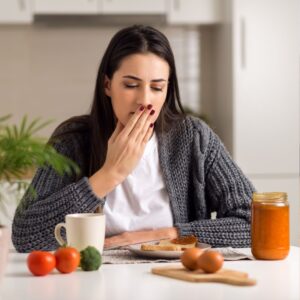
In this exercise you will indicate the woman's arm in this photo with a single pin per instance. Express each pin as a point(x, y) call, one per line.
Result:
point(35, 218)
point(136, 237)
point(229, 193)
point(56, 196)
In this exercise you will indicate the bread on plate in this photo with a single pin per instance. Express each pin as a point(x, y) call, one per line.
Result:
point(178, 244)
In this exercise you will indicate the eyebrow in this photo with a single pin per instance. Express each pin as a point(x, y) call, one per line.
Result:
point(139, 79)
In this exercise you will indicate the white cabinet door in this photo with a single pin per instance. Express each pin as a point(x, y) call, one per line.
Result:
point(66, 6)
point(193, 11)
point(15, 11)
point(291, 187)
point(133, 7)
point(266, 86)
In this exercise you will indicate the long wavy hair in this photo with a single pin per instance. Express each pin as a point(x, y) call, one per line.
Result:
point(100, 123)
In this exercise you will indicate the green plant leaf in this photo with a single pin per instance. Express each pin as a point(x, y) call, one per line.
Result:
point(21, 150)
point(23, 125)
point(5, 118)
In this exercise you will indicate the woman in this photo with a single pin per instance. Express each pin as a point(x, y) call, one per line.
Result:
point(155, 172)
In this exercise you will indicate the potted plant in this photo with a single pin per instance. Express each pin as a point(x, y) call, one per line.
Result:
point(21, 151)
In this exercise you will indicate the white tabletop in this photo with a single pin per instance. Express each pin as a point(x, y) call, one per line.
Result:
point(275, 280)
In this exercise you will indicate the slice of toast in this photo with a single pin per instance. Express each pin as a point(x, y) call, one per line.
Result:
point(148, 247)
point(184, 242)
point(178, 244)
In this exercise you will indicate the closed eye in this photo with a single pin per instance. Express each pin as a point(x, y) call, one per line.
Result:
point(130, 86)
point(157, 89)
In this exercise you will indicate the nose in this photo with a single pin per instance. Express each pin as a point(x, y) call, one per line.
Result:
point(144, 97)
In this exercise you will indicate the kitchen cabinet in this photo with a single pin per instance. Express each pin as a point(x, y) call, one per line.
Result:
point(177, 11)
point(15, 11)
point(66, 6)
point(99, 7)
point(266, 116)
point(193, 11)
point(257, 85)
point(256, 97)
point(133, 7)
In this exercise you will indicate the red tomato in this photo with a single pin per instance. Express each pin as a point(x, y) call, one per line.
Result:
point(40, 262)
point(67, 259)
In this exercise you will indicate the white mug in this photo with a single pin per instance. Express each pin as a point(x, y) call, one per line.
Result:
point(82, 230)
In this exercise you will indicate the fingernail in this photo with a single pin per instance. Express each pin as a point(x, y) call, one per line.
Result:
point(152, 112)
point(151, 125)
point(149, 106)
point(142, 108)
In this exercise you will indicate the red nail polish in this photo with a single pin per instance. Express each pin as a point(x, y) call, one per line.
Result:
point(142, 108)
point(152, 112)
point(149, 106)
point(151, 125)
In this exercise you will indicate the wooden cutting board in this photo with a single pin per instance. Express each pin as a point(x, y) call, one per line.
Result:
point(223, 275)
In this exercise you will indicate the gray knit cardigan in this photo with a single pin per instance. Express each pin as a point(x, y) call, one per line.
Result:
point(199, 175)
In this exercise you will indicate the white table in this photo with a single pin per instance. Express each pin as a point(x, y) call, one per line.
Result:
point(275, 280)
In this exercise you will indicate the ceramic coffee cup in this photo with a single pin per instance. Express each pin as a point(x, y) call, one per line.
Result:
point(82, 230)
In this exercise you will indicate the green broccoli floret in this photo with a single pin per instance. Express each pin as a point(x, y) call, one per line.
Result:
point(90, 259)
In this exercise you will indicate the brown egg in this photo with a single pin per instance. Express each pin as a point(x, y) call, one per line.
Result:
point(210, 261)
point(190, 256)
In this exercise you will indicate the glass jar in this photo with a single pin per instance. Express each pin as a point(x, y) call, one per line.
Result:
point(270, 238)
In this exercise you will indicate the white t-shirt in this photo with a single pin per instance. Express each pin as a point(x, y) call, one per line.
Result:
point(141, 201)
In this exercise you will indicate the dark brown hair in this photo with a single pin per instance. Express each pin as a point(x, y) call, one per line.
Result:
point(100, 123)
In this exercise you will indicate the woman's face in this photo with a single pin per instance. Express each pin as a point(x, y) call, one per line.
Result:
point(141, 79)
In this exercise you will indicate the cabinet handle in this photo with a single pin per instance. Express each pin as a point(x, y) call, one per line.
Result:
point(22, 5)
point(243, 42)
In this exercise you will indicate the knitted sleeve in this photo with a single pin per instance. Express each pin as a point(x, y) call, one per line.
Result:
point(56, 196)
point(227, 192)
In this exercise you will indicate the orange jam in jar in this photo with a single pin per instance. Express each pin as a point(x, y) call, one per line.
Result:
point(270, 238)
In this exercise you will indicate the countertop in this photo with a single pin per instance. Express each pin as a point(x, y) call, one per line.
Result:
point(275, 280)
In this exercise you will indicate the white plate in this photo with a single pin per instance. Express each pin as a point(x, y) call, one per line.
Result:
point(136, 249)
